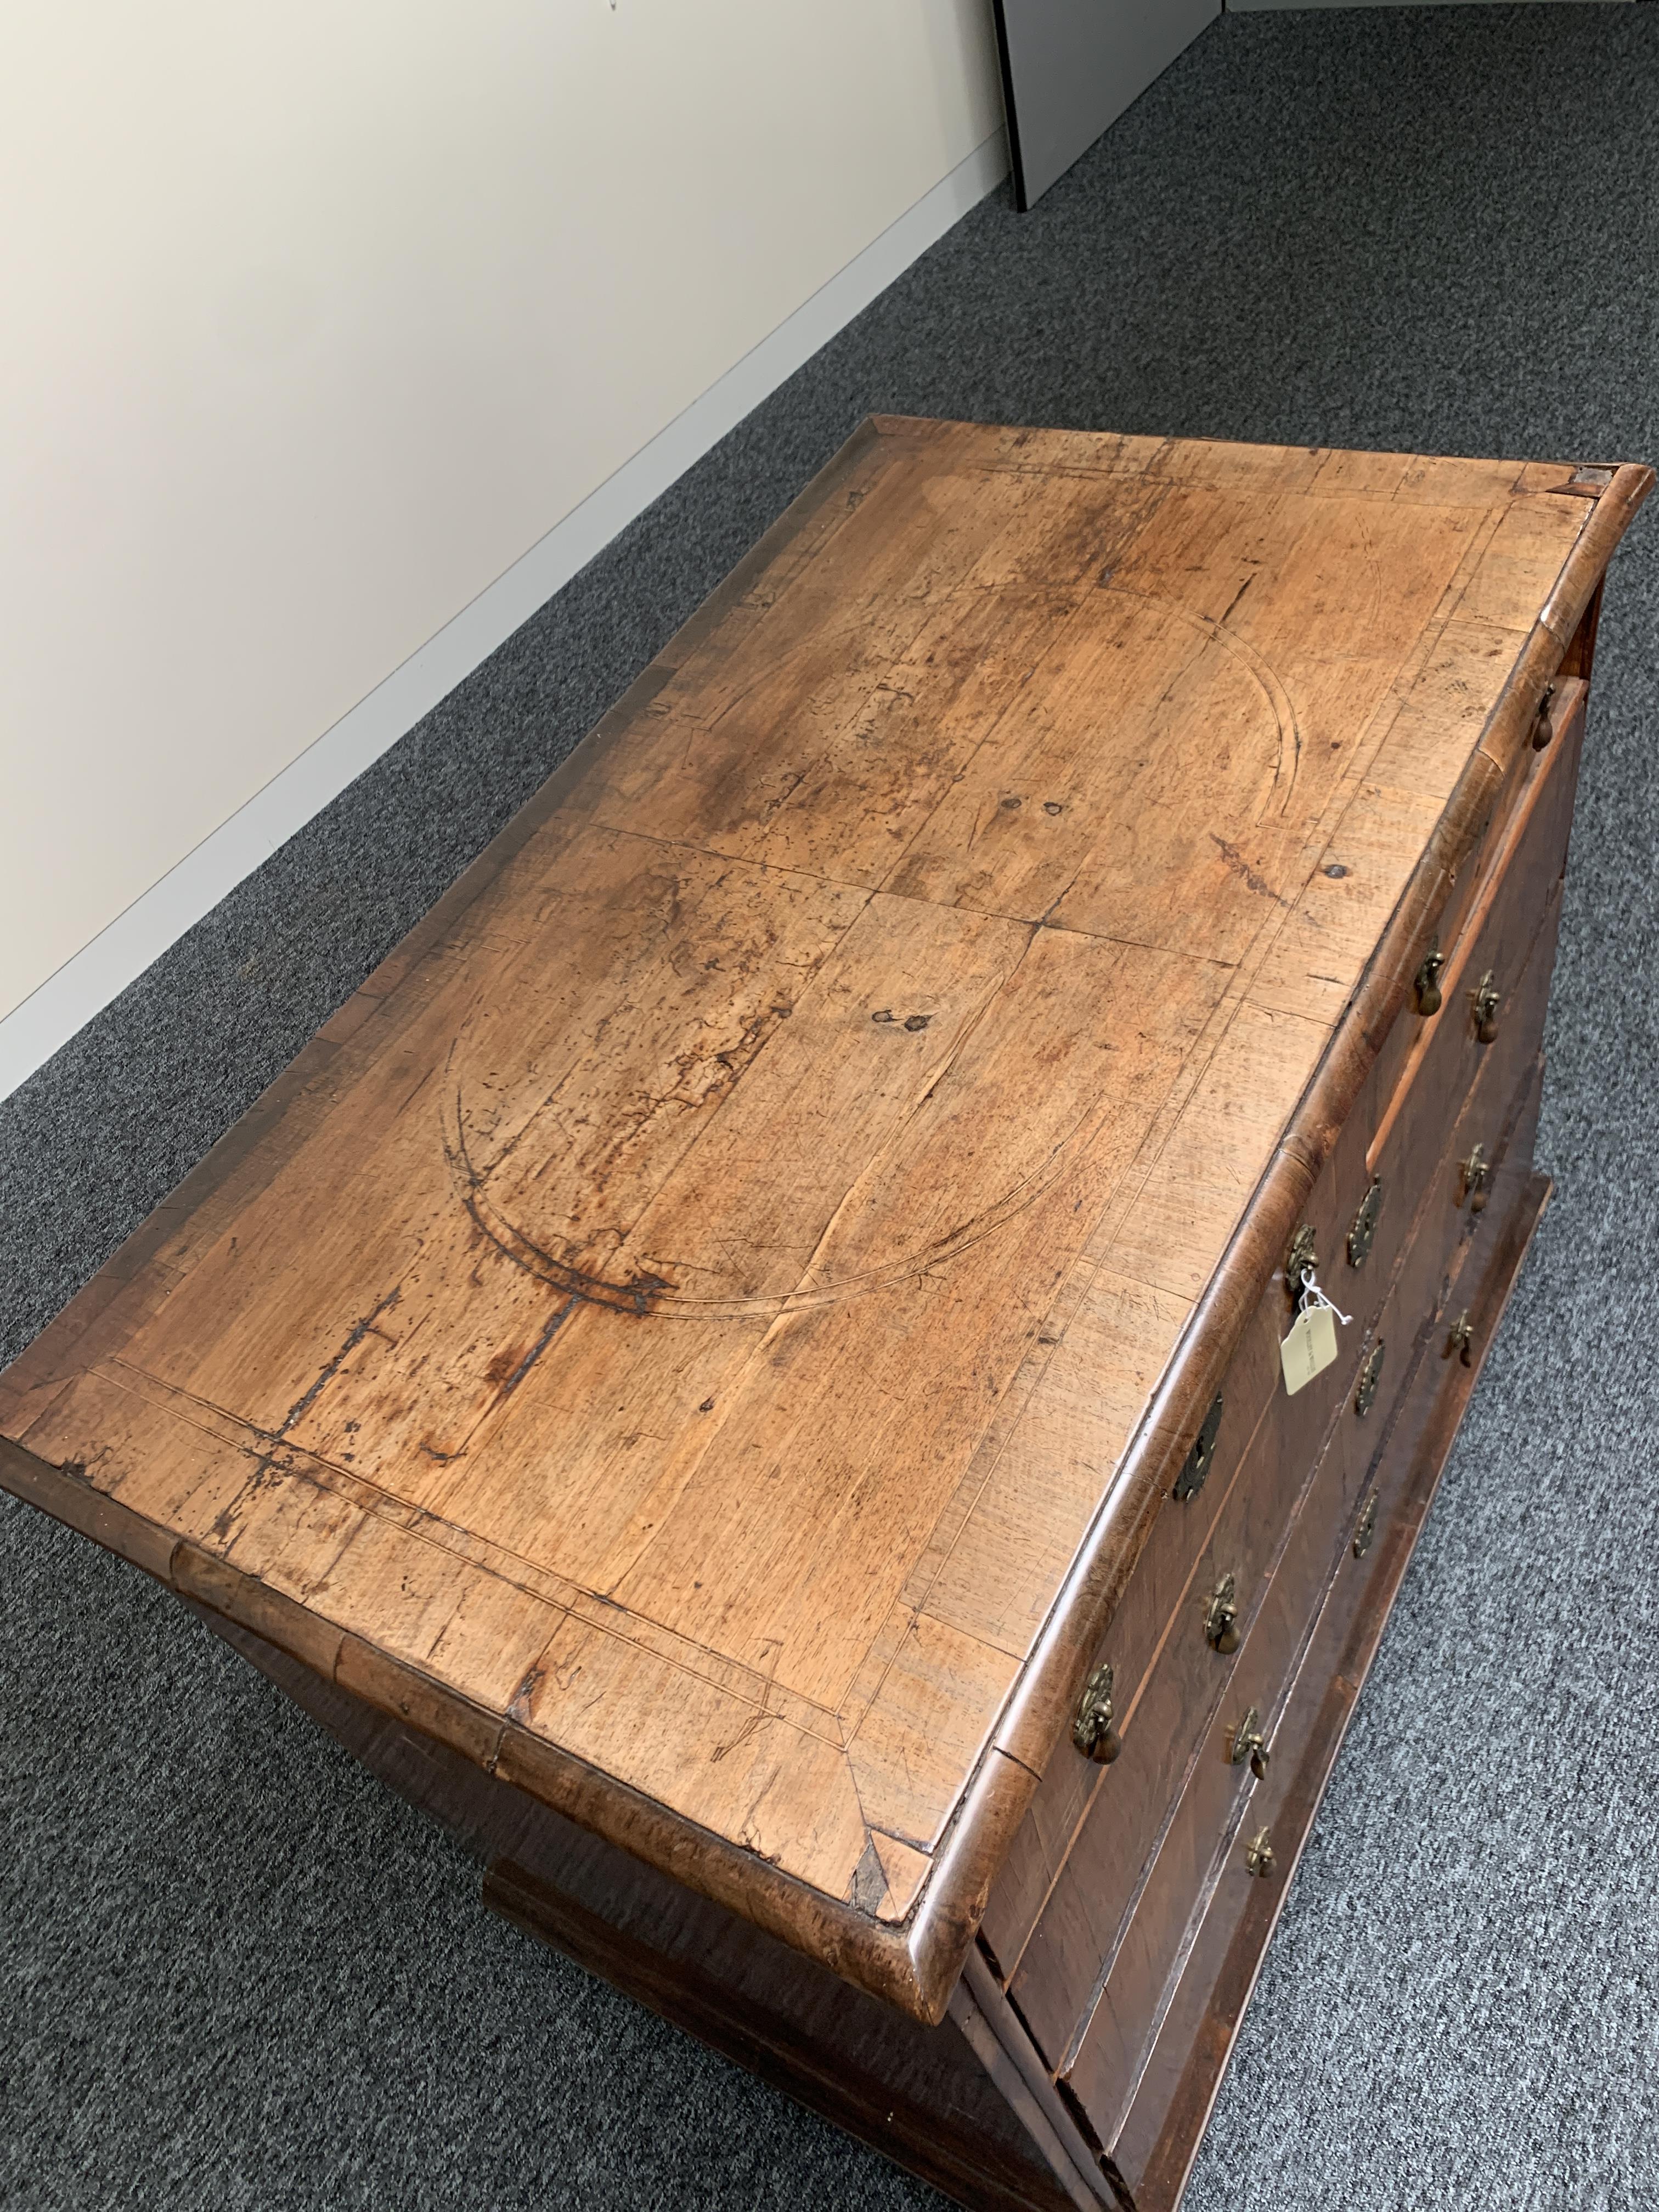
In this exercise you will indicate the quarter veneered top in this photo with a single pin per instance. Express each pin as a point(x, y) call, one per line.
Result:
point(689, 1307)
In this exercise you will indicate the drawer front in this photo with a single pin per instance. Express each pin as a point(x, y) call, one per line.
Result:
point(1181, 1787)
point(1365, 1453)
point(1200, 2014)
point(1266, 1440)
point(1411, 1100)
point(1167, 1588)
point(1081, 1920)
point(1463, 900)
point(1454, 1206)
point(1102, 2069)
point(1445, 1050)
point(1265, 1449)
point(1528, 768)
point(1260, 1536)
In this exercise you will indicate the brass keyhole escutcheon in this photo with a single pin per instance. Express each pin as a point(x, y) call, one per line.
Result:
point(1092, 1731)
point(1250, 1743)
point(1543, 729)
point(1302, 1254)
point(1369, 1373)
point(1460, 1341)
point(1367, 1529)
point(1364, 1231)
point(1259, 1854)
point(1190, 1480)
point(1485, 1000)
point(1426, 982)
point(1221, 1618)
point(1474, 1174)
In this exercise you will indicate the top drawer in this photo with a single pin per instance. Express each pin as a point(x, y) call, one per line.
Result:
point(1534, 777)
point(1417, 1088)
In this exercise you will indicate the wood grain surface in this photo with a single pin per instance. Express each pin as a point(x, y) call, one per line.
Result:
point(700, 1328)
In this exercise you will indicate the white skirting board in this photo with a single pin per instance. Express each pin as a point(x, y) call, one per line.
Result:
point(69, 999)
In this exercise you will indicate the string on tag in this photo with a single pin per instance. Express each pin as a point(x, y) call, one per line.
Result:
point(1312, 1294)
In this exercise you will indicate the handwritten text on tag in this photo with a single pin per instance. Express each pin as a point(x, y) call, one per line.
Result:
point(1309, 1348)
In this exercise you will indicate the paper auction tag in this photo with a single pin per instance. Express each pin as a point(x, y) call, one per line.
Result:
point(1309, 1348)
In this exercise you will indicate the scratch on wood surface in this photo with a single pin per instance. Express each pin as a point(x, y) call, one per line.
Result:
point(757, 1713)
point(272, 1464)
point(550, 1329)
point(1227, 610)
point(636, 1296)
point(1242, 868)
point(355, 1336)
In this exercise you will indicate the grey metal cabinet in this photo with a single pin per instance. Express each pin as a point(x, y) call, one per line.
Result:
point(1070, 67)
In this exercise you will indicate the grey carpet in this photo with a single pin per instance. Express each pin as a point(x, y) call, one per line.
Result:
point(237, 1973)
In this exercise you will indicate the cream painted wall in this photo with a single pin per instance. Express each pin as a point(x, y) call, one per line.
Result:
point(318, 317)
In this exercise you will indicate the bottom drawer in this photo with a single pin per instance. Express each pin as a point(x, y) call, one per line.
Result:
point(1104, 2061)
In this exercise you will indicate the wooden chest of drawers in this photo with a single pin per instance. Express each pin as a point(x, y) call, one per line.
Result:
point(743, 1369)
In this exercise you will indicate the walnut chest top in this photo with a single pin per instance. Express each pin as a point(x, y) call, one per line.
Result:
point(703, 1329)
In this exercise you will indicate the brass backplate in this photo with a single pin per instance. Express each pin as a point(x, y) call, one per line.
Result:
point(1190, 1480)
point(1426, 982)
point(1302, 1254)
point(1367, 1529)
point(1370, 1373)
point(1364, 1231)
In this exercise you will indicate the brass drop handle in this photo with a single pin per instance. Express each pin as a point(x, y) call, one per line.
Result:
point(1461, 1341)
point(1485, 1000)
point(1475, 1175)
point(1249, 1742)
point(1221, 1618)
point(1091, 1730)
point(1543, 729)
point(1426, 983)
point(1259, 1854)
